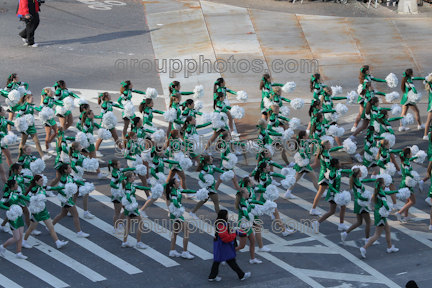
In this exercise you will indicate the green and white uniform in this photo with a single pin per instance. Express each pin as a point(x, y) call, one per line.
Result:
point(304, 151)
point(3, 129)
point(21, 186)
point(61, 94)
point(148, 115)
point(408, 87)
point(210, 169)
point(358, 189)
point(62, 149)
point(28, 108)
point(49, 102)
point(127, 96)
point(381, 201)
point(325, 158)
point(335, 177)
point(266, 90)
point(116, 177)
point(264, 136)
point(14, 198)
point(189, 134)
point(88, 127)
point(175, 197)
point(44, 214)
point(129, 193)
point(25, 160)
point(406, 171)
point(265, 180)
point(65, 179)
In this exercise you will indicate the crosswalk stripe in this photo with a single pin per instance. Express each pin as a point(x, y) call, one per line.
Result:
point(339, 276)
point(64, 259)
point(29, 267)
point(94, 248)
point(150, 252)
point(7, 283)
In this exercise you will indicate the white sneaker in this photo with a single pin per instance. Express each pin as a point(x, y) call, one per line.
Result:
point(187, 255)
point(392, 249)
point(288, 195)
point(425, 137)
point(60, 243)
point(375, 243)
point(255, 261)
point(419, 127)
point(400, 172)
point(373, 176)
point(46, 157)
point(143, 214)
point(272, 217)
point(421, 185)
point(315, 226)
point(49, 150)
point(353, 129)
point(246, 275)
point(174, 253)
point(430, 227)
point(286, 233)
point(217, 279)
point(193, 215)
point(264, 249)
point(398, 216)
point(35, 45)
point(274, 182)
point(408, 219)
point(363, 252)
point(99, 154)
point(2, 251)
point(69, 214)
point(88, 215)
point(314, 212)
point(24, 39)
point(21, 256)
point(404, 128)
point(343, 236)
point(358, 157)
point(307, 132)
point(26, 245)
point(428, 200)
point(127, 245)
point(82, 235)
point(36, 232)
point(102, 175)
point(223, 263)
point(141, 245)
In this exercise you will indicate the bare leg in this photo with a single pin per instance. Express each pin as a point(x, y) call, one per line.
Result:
point(148, 202)
point(182, 176)
point(342, 214)
point(53, 135)
point(417, 114)
point(38, 146)
point(2, 175)
point(410, 202)
point(375, 237)
point(26, 216)
point(331, 211)
point(357, 121)
point(98, 142)
point(23, 140)
point(215, 199)
point(404, 111)
point(393, 160)
point(73, 210)
point(393, 196)
point(321, 190)
point(339, 141)
point(364, 125)
point(185, 236)
point(60, 216)
point(56, 180)
point(314, 179)
point(198, 205)
point(357, 224)
point(47, 136)
point(428, 123)
point(367, 219)
point(69, 121)
point(297, 178)
point(11, 115)
point(115, 137)
point(117, 210)
point(8, 155)
point(30, 229)
point(252, 245)
point(230, 121)
point(212, 139)
point(62, 121)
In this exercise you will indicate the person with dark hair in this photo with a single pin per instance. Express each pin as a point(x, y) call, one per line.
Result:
point(61, 93)
point(223, 248)
point(29, 10)
point(266, 87)
point(408, 88)
point(411, 284)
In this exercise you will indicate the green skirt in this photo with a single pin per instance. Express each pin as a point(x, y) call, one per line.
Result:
point(174, 218)
point(359, 209)
point(131, 213)
point(69, 203)
point(91, 148)
point(30, 131)
point(378, 218)
point(19, 222)
point(50, 122)
point(41, 216)
point(300, 169)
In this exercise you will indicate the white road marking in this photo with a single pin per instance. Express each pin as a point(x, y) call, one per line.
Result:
point(7, 283)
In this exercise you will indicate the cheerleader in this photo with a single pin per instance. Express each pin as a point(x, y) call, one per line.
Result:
point(13, 198)
point(61, 93)
point(406, 159)
point(189, 110)
point(318, 127)
point(173, 193)
point(107, 106)
point(129, 202)
point(370, 114)
point(379, 199)
point(4, 123)
point(77, 161)
point(174, 88)
point(244, 227)
point(225, 146)
point(407, 87)
point(428, 86)
point(316, 86)
point(266, 156)
point(175, 146)
point(206, 167)
point(303, 151)
point(275, 98)
point(51, 129)
point(190, 136)
point(66, 201)
point(315, 108)
point(12, 83)
point(26, 108)
point(369, 143)
point(25, 158)
point(335, 178)
point(157, 166)
point(132, 153)
point(88, 124)
point(62, 151)
point(266, 86)
point(428, 199)
point(36, 189)
point(222, 108)
point(146, 108)
point(324, 158)
point(264, 133)
point(273, 123)
point(175, 104)
point(117, 174)
point(361, 209)
point(126, 90)
point(327, 104)
point(219, 87)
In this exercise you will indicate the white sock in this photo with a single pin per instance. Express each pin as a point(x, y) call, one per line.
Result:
point(79, 233)
point(58, 242)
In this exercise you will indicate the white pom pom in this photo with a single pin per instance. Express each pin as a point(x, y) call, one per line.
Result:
point(104, 134)
point(300, 161)
point(70, 189)
point(374, 151)
point(218, 120)
point(207, 117)
point(415, 175)
point(133, 164)
point(288, 172)
point(198, 105)
point(396, 110)
point(170, 115)
point(413, 97)
point(288, 182)
point(79, 101)
point(9, 139)
point(26, 172)
point(64, 157)
point(90, 164)
point(352, 98)
point(335, 131)
point(78, 175)
point(421, 157)
point(82, 139)
point(129, 109)
point(109, 120)
point(387, 179)
point(332, 117)
point(392, 80)
point(198, 92)
point(209, 180)
point(86, 189)
point(237, 112)
point(130, 206)
point(336, 90)
point(257, 210)
point(117, 193)
point(392, 96)
point(230, 164)
point(270, 149)
point(390, 169)
point(226, 101)
point(403, 194)
point(359, 89)
point(14, 212)
point(390, 137)
point(68, 103)
point(14, 96)
point(242, 96)
point(410, 182)
point(278, 130)
point(341, 109)
point(21, 124)
point(384, 212)
point(268, 208)
point(363, 169)
point(30, 119)
point(414, 149)
point(185, 163)
point(158, 136)
point(46, 114)
point(366, 194)
point(141, 169)
point(268, 103)
point(37, 166)
point(151, 93)
point(377, 126)
point(297, 103)
point(202, 194)
point(271, 193)
point(90, 138)
point(177, 212)
point(37, 203)
point(294, 123)
point(289, 87)
point(329, 138)
point(284, 111)
point(227, 176)
point(157, 191)
point(343, 198)
point(407, 120)
point(61, 110)
point(22, 90)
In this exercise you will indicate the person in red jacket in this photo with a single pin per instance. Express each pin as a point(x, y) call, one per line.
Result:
point(29, 9)
point(223, 248)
